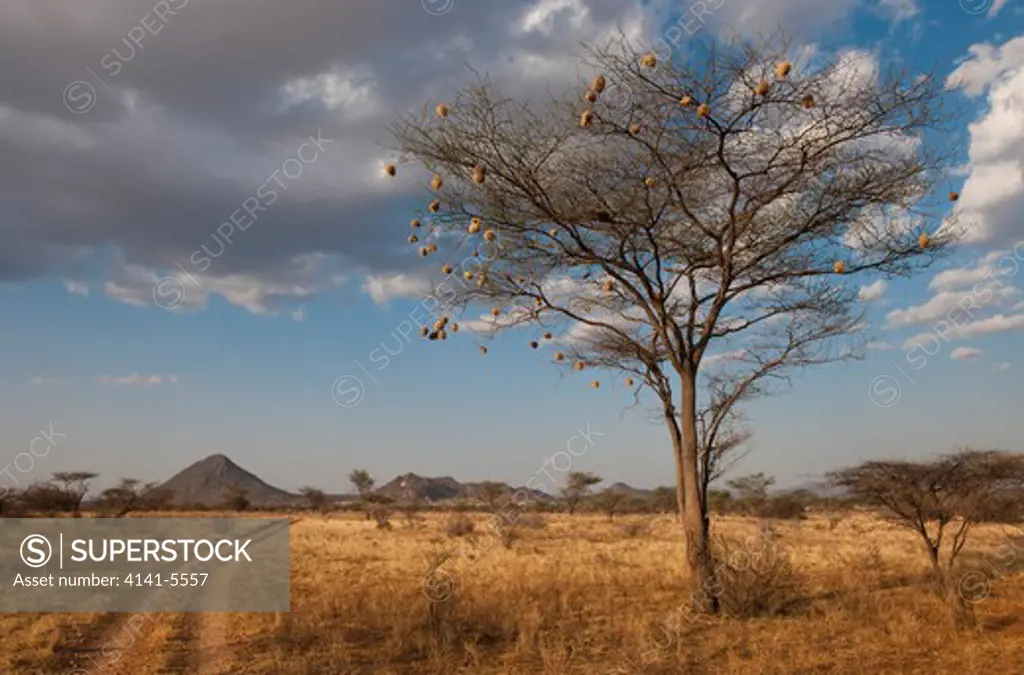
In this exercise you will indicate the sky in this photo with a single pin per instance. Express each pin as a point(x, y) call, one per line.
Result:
point(131, 130)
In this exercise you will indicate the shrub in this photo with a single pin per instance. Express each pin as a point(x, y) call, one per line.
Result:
point(458, 525)
point(505, 532)
point(383, 518)
point(47, 498)
point(784, 507)
point(533, 521)
point(757, 578)
point(635, 528)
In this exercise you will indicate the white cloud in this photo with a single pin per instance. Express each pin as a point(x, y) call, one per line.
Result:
point(134, 379)
point(1003, 367)
point(950, 303)
point(78, 287)
point(352, 93)
point(898, 11)
point(963, 278)
point(543, 15)
point(995, 324)
point(385, 288)
point(723, 357)
point(263, 294)
point(965, 354)
point(873, 291)
point(992, 197)
point(41, 381)
point(799, 17)
point(994, 9)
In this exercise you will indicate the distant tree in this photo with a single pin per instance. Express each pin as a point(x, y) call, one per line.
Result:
point(664, 499)
point(609, 502)
point(10, 503)
point(492, 492)
point(577, 486)
point(751, 491)
point(786, 506)
point(129, 495)
point(76, 485)
point(237, 499)
point(363, 482)
point(720, 444)
point(720, 501)
point(636, 504)
point(157, 498)
point(45, 497)
point(316, 499)
point(951, 493)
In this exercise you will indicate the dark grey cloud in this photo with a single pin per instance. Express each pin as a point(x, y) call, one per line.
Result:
point(198, 116)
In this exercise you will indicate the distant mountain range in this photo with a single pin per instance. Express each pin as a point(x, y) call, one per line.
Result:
point(208, 481)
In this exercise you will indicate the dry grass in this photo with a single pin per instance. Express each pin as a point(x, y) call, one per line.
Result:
point(580, 595)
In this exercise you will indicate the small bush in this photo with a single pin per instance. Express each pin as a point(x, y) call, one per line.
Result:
point(784, 507)
point(532, 521)
point(635, 528)
point(383, 518)
point(505, 532)
point(458, 525)
point(756, 578)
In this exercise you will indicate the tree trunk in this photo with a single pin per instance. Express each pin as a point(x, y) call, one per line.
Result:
point(695, 523)
point(947, 588)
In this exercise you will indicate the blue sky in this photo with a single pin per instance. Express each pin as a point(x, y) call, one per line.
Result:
point(111, 199)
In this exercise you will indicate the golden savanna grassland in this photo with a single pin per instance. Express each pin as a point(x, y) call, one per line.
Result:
point(830, 594)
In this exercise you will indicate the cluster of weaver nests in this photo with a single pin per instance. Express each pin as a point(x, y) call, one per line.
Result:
point(479, 175)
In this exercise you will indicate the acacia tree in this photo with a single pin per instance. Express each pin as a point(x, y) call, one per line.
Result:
point(663, 499)
point(75, 485)
point(950, 494)
point(577, 485)
point(127, 496)
point(610, 501)
point(316, 499)
point(751, 491)
point(363, 483)
point(706, 242)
